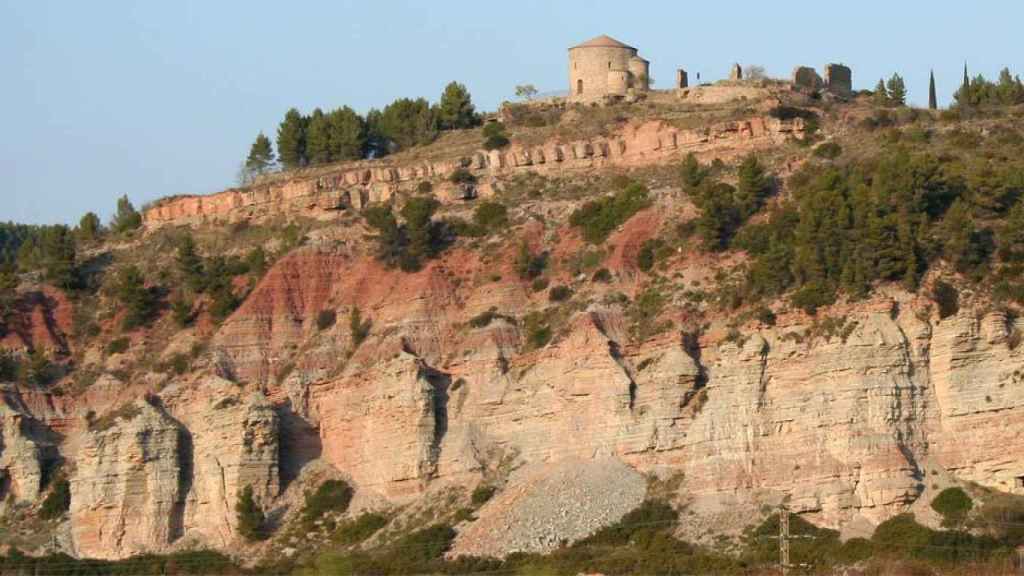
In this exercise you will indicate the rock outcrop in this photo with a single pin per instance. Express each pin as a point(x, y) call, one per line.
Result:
point(21, 458)
point(320, 193)
point(127, 493)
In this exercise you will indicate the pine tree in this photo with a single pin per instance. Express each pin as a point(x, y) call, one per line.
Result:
point(752, 187)
point(138, 300)
point(8, 294)
point(190, 264)
point(897, 90)
point(881, 94)
point(89, 227)
point(57, 251)
point(933, 101)
point(291, 140)
point(318, 138)
point(261, 156)
point(347, 134)
point(250, 517)
point(456, 109)
point(126, 218)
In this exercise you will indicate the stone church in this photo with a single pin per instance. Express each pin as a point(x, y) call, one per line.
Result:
point(603, 69)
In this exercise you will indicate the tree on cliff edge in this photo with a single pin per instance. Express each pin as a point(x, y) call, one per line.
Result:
point(456, 109)
point(261, 156)
point(291, 140)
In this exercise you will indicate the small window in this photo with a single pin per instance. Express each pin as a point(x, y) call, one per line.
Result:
point(609, 65)
point(1020, 481)
point(579, 86)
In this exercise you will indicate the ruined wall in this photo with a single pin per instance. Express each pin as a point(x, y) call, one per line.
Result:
point(839, 79)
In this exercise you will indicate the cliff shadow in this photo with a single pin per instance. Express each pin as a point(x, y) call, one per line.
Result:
point(298, 445)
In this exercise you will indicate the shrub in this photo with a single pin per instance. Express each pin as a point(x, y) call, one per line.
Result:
point(529, 265)
point(491, 216)
point(325, 319)
point(538, 332)
point(425, 545)
point(179, 364)
point(462, 176)
point(359, 529)
point(812, 296)
point(331, 496)
point(603, 275)
point(559, 294)
point(954, 505)
point(57, 502)
point(118, 346)
point(829, 150)
point(947, 297)
point(425, 187)
point(181, 311)
point(481, 494)
point(539, 285)
point(251, 521)
point(358, 328)
point(138, 301)
point(599, 218)
point(494, 136)
point(650, 515)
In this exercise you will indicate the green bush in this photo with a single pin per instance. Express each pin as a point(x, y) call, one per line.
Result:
point(57, 502)
point(118, 345)
point(560, 294)
point(462, 176)
point(603, 275)
point(529, 265)
point(954, 505)
point(538, 332)
point(491, 216)
point(325, 319)
point(425, 187)
point(597, 219)
point(947, 298)
point(251, 521)
point(482, 494)
point(331, 496)
point(829, 150)
point(358, 328)
point(539, 285)
point(812, 296)
point(359, 529)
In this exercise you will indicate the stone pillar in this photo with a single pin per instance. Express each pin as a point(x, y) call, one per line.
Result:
point(736, 72)
point(681, 79)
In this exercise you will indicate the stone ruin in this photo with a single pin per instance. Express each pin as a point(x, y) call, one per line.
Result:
point(807, 77)
point(736, 72)
point(838, 79)
point(682, 80)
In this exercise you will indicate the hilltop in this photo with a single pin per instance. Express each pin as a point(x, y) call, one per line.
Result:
point(620, 340)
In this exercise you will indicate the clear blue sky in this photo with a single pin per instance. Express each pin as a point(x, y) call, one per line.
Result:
point(105, 98)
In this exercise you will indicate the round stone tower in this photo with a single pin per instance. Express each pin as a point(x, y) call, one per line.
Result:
point(603, 68)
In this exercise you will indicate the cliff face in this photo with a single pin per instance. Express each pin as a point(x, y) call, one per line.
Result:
point(146, 481)
point(845, 419)
point(323, 192)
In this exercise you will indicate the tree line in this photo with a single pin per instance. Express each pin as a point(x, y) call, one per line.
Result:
point(342, 134)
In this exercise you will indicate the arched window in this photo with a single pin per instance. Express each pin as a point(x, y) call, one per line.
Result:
point(609, 65)
point(579, 86)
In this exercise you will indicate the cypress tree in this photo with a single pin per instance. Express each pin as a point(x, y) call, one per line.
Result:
point(933, 101)
point(261, 155)
point(291, 140)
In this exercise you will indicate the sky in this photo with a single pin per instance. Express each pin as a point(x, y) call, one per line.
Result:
point(150, 99)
